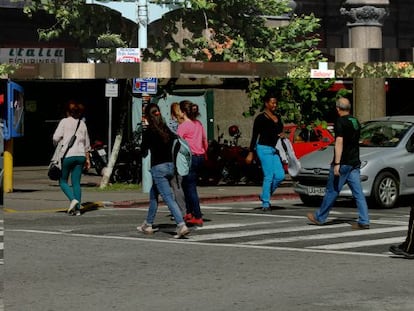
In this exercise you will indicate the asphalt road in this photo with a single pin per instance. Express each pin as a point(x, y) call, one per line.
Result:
point(241, 259)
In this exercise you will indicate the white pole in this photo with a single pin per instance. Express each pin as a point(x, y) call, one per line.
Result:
point(142, 23)
point(110, 128)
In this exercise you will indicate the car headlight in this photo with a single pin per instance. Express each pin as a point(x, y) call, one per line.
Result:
point(364, 163)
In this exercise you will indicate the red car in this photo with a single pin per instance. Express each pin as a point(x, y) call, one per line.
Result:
point(305, 141)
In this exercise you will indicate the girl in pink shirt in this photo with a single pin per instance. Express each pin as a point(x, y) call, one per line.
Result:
point(194, 133)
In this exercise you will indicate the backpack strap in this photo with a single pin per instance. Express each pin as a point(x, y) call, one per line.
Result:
point(175, 149)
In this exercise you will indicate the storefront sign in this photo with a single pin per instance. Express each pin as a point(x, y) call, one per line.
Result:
point(32, 55)
point(144, 85)
point(128, 55)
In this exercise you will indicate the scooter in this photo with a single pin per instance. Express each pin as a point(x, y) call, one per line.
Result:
point(98, 156)
point(226, 162)
point(128, 167)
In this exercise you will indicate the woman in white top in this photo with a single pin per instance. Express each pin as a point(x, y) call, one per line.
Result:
point(77, 156)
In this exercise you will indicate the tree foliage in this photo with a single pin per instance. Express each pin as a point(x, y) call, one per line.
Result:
point(302, 101)
point(236, 31)
point(77, 20)
point(219, 31)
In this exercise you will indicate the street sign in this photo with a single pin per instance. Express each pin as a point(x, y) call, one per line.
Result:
point(128, 55)
point(144, 85)
point(111, 90)
point(322, 72)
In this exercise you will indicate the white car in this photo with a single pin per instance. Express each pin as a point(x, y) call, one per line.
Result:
point(387, 164)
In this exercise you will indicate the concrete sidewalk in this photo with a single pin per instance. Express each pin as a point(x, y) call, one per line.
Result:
point(32, 190)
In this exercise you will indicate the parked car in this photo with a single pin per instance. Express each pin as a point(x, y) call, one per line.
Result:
point(387, 168)
point(306, 140)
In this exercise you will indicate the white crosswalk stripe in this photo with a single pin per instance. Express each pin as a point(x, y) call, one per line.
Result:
point(348, 245)
point(1, 241)
point(328, 236)
point(286, 231)
point(247, 233)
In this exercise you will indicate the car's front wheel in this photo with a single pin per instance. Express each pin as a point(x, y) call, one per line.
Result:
point(385, 191)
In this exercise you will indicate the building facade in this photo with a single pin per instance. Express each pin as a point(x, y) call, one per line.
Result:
point(45, 97)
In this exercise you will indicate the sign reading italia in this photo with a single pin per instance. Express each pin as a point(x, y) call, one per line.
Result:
point(32, 55)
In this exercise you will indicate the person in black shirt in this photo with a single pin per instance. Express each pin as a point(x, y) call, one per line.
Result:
point(267, 128)
point(345, 168)
point(158, 139)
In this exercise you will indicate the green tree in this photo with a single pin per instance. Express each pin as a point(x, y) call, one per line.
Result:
point(304, 101)
point(235, 31)
point(95, 27)
point(220, 31)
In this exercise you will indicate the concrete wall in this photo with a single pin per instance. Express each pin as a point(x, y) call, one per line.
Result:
point(229, 106)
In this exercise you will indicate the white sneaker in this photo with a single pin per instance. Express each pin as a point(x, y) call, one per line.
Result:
point(146, 229)
point(72, 205)
point(78, 213)
point(181, 231)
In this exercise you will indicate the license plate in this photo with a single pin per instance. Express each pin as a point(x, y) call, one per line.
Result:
point(101, 152)
point(316, 191)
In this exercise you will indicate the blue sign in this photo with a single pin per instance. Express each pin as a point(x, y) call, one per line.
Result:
point(144, 85)
point(14, 119)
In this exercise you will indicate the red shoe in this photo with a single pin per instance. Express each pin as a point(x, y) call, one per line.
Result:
point(195, 221)
point(188, 216)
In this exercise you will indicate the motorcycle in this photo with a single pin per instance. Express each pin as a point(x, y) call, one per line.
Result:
point(128, 167)
point(98, 156)
point(226, 162)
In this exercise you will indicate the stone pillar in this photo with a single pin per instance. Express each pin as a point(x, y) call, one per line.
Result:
point(365, 32)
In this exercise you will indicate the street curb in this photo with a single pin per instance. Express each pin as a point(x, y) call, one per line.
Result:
point(205, 200)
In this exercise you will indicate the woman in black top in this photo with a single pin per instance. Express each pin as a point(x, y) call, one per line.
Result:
point(158, 139)
point(267, 128)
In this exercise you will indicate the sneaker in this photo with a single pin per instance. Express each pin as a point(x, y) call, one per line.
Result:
point(358, 226)
point(188, 216)
point(267, 209)
point(72, 205)
point(408, 255)
point(181, 231)
point(313, 220)
point(195, 222)
point(146, 229)
point(397, 250)
point(78, 213)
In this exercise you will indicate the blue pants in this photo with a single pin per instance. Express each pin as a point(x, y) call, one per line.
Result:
point(351, 176)
point(72, 166)
point(273, 172)
point(161, 177)
point(192, 200)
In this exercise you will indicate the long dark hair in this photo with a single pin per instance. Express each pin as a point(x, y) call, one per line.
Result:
point(156, 122)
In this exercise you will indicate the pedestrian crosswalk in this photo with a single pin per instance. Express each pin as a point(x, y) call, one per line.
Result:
point(289, 231)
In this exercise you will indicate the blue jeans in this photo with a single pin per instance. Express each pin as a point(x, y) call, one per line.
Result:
point(273, 172)
point(351, 176)
point(74, 167)
point(192, 201)
point(161, 177)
